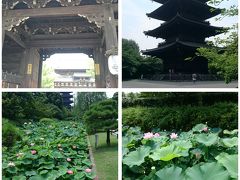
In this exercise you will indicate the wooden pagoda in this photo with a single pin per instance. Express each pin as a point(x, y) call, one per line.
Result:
point(184, 30)
point(67, 99)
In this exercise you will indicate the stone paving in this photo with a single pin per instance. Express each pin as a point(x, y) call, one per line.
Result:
point(136, 83)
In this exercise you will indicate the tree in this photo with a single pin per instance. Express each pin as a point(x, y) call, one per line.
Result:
point(130, 58)
point(150, 65)
point(223, 55)
point(85, 99)
point(102, 116)
point(135, 65)
point(19, 106)
point(47, 77)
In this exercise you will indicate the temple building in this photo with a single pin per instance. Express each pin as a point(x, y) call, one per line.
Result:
point(73, 78)
point(184, 30)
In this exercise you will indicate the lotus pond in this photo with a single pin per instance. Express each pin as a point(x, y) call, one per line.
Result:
point(50, 151)
point(199, 154)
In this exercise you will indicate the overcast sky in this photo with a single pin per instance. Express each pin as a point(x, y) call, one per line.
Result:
point(76, 61)
point(135, 21)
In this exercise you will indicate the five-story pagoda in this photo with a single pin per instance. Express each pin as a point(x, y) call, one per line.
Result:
point(184, 30)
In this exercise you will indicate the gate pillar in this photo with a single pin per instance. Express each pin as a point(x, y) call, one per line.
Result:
point(111, 41)
point(30, 68)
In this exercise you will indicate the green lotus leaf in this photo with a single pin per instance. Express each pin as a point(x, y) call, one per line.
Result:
point(80, 175)
point(87, 162)
point(235, 131)
point(207, 171)
point(166, 153)
point(184, 146)
point(136, 157)
point(230, 142)
point(53, 174)
point(56, 155)
point(207, 139)
point(37, 177)
point(124, 151)
point(48, 166)
point(19, 178)
point(43, 172)
point(127, 140)
point(26, 161)
point(171, 173)
point(12, 170)
point(199, 127)
point(62, 170)
point(230, 162)
point(90, 175)
point(30, 173)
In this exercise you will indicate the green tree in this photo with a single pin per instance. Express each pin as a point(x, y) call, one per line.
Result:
point(102, 116)
point(150, 65)
point(19, 106)
point(130, 58)
point(85, 99)
point(135, 65)
point(47, 77)
point(223, 55)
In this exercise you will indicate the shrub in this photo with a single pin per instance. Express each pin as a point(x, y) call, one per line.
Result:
point(223, 115)
point(47, 121)
point(10, 133)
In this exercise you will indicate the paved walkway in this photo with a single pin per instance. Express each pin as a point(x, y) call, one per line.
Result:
point(172, 84)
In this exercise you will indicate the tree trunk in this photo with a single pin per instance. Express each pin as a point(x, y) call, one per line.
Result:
point(108, 137)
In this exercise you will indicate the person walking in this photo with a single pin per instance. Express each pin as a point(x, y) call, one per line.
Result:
point(194, 78)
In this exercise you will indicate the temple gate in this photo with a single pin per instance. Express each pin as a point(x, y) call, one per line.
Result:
point(33, 30)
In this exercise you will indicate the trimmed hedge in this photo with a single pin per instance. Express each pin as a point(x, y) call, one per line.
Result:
point(223, 115)
point(180, 99)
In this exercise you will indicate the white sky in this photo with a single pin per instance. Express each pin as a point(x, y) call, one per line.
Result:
point(135, 21)
point(67, 60)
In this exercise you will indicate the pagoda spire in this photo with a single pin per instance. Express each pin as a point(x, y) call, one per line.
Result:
point(184, 30)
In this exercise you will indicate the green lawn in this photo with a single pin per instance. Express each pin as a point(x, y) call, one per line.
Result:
point(106, 158)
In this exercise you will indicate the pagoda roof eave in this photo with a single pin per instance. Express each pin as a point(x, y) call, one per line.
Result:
point(178, 18)
point(163, 13)
point(167, 46)
point(164, 1)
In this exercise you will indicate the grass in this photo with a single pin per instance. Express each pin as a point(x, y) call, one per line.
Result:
point(106, 158)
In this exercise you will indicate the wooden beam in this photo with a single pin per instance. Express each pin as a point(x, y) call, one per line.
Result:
point(57, 11)
point(66, 36)
point(67, 43)
point(15, 38)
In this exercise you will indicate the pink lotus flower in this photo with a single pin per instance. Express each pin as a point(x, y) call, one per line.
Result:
point(70, 172)
point(33, 152)
point(156, 135)
point(69, 159)
point(148, 135)
point(205, 129)
point(88, 170)
point(173, 136)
